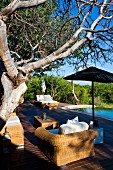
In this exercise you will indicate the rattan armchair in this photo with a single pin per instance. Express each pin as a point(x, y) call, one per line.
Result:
point(63, 149)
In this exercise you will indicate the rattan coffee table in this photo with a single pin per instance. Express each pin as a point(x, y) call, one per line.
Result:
point(49, 123)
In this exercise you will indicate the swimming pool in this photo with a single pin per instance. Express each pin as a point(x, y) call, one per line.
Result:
point(106, 113)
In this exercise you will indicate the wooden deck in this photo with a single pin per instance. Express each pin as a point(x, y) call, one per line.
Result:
point(31, 158)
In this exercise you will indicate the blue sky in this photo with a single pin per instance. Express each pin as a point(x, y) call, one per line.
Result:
point(67, 70)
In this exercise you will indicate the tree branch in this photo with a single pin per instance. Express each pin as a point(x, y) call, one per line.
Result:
point(5, 53)
point(52, 57)
point(13, 52)
point(21, 20)
point(16, 4)
point(32, 53)
point(101, 30)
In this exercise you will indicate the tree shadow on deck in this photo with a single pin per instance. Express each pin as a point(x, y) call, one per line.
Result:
point(26, 160)
point(107, 164)
point(104, 154)
point(26, 113)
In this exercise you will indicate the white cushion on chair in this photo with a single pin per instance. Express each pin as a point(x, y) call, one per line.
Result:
point(47, 98)
point(73, 120)
point(40, 98)
point(73, 127)
point(13, 120)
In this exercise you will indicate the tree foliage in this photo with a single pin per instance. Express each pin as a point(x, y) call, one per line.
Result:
point(102, 95)
point(58, 88)
point(79, 30)
point(61, 90)
point(40, 25)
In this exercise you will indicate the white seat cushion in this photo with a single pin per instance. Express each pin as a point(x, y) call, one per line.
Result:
point(73, 127)
point(47, 98)
point(40, 97)
point(13, 120)
point(49, 102)
point(12, 123)
point(73, 120)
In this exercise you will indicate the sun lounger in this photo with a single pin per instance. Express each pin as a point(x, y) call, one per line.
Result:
point(47, 101)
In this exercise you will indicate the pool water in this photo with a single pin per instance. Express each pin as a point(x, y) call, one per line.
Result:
point(106, 113)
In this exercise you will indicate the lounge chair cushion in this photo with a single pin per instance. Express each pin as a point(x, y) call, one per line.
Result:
point(47, 98)
point(73, 127)
point(47, 101)
point(40, 97)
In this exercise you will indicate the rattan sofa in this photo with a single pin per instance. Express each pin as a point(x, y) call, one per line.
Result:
point(63, 149)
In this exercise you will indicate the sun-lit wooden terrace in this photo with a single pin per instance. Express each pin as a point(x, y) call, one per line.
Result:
point(31, 157)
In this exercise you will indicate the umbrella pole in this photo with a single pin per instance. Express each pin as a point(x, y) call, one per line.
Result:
point(93, 101)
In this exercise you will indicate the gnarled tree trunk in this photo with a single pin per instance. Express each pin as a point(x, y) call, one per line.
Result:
point(11, 98)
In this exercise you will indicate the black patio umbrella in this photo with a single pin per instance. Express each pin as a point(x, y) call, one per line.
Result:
point(92, 74)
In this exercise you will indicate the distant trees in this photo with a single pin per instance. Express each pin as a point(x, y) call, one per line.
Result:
point(58, 88)
point(103, 93)
point(61, 90)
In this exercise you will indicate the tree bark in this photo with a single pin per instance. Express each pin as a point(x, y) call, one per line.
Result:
point(52, 57)
point(16, 4)
point(73, 92)
point(5, 53)
point(11, 98)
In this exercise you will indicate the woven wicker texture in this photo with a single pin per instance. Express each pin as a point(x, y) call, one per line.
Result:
point(15, 130)
point(16, 134)
point(62, 149)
